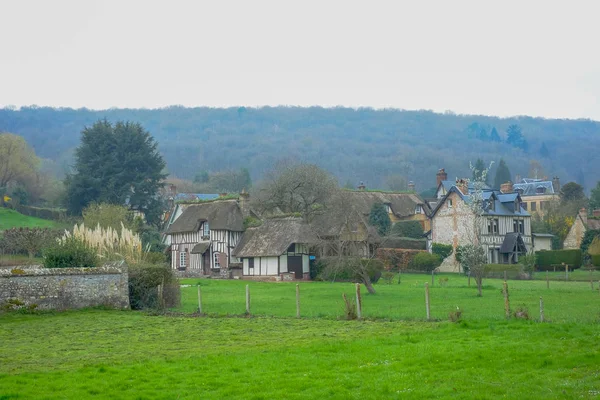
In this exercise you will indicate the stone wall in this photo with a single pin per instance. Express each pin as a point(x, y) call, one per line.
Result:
point(66, 288)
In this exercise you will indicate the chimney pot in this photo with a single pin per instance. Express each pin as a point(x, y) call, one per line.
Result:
point(556, 184)
point(441, 176)
point(506, 187)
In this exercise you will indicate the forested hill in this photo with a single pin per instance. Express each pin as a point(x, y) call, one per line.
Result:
point(374, 146)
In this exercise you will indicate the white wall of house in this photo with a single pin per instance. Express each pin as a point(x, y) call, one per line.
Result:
point(305, 263)
point(263, 266)
point(283, 267)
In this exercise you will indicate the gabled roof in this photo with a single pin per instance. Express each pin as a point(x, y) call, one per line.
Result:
point(513, 243)
point(503, 203)
point(448, 184)
point(273, 237)
point(225, 215)
point(401, 204)
point(195, 196)
point(529, 187)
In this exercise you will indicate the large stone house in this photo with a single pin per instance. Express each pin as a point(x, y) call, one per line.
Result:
point(505, 230)
point(537, 193)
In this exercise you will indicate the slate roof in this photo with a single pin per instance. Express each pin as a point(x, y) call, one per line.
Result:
point(448, 184)
point(273, 237)
point(402, 204)
point(512, 240)
point(503, 203)
point(220, 214)
point(529, 187)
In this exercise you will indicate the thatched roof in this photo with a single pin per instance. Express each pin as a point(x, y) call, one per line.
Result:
point(402, 204)
point(225, 214)
point(273, 237)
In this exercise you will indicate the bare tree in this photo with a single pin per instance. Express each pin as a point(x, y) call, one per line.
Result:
point(295, 188)
point(473, 255)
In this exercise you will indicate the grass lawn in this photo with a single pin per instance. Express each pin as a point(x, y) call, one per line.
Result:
point(563, 302)
point(12, 219)
point(130, 355)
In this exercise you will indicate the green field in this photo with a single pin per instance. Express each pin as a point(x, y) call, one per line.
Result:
point(12, 219)
point(563, 302)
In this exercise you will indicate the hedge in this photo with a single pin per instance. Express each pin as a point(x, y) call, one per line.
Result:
point(329, 271)
point(394, 242)
point(396, 259)
point(547, 260)
point(513, 271)
point(43, 213)
point(596, 260)
point(442, 250)
point(410, 229)
point(425, 262)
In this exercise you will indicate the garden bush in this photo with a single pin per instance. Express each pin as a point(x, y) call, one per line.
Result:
point(548, 259)
point(144, 280)
point(345, 270)
point(442, 250)
point(70, 253)
point(393, 242)
point(425, 262)
point(396, 259)
point(596, 260)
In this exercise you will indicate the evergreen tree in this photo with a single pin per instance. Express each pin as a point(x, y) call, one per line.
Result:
point(117, 164)
point(482, 134)
point(380, 219)
point(502, 174)
point(494, 136)
point(515, 137)
point(595, 197)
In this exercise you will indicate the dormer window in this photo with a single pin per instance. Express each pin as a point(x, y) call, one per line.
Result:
point(206, 229)
point(418, 209)
point(491, 204)
point(540, 190)
point(517, 206)
point(388, 208)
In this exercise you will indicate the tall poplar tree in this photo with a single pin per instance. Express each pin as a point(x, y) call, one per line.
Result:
point(502, 174)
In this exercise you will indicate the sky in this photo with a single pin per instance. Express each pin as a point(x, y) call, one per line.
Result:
point(504, 58)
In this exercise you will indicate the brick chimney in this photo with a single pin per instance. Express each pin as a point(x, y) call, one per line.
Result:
point(463, 185)
point(361, 186)
point(244, 202)
point(441, 176)
point(556, 184)
point(411, 186)
point(506, 187)
point(596, 213)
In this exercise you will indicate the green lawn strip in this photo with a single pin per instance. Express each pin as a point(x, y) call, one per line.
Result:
point(12, 219)
point(104, 354)
point(564, 301)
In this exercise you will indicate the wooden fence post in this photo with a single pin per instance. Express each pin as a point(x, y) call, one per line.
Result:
point(427, 308)
point(506, 300)
point(591, 281)
point(566, 271)
point(199, 300)
point(297, 300)
point(432, 282)
point(547, 280)
point(159, 289)
point(541, 309)
point(358, 302)
point(248, 299)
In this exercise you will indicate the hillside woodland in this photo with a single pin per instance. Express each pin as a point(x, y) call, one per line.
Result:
point(383, 148)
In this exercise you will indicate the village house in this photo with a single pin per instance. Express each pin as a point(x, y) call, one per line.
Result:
point(203, 236)
point(279, 248)
point(581, 224)
point(505, 230)
point(537, 193)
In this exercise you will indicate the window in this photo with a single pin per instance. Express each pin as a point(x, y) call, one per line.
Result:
point(217, 264)
point(292, 248)
point(206, 230)
point(183, 259)
point(540, 190)
point(418, 209)
point(533, 206)
point(525, 205)
point(388, 208)
point(518, 226)
point(492, 226)
point(517, 205)
point(251, 263)
point(492, 204)
point(449, 203)
point(542, 205)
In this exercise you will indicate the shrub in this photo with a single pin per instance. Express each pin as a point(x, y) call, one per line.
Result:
point(70, 253)
point(547, 259)
point(425, 262)
point(393, 242)
point(144, 280)
point(349, 307)
point(442, 250)
point(31, 240)
point(396, 259)
point(409, 229)
point(596, 260)
point(388, 277)
point(346, 270)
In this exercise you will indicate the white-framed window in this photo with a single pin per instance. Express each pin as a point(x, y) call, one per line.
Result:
point(492, 226)
point(449, 203)
point(183, 259)
point(418, 209)
point(216, 263)
point(206, 229)
point(519, 226)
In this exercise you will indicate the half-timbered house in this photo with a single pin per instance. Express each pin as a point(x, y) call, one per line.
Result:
point(278, 248)
point(505, 230)
point(203, 237)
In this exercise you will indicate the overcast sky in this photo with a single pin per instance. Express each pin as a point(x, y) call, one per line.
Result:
point(503, 58)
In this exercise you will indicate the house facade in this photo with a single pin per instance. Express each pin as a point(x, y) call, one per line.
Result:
point(280, 248)
point(505, 230)
point(203, 237)
point(581, 224)
point(537, 193)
